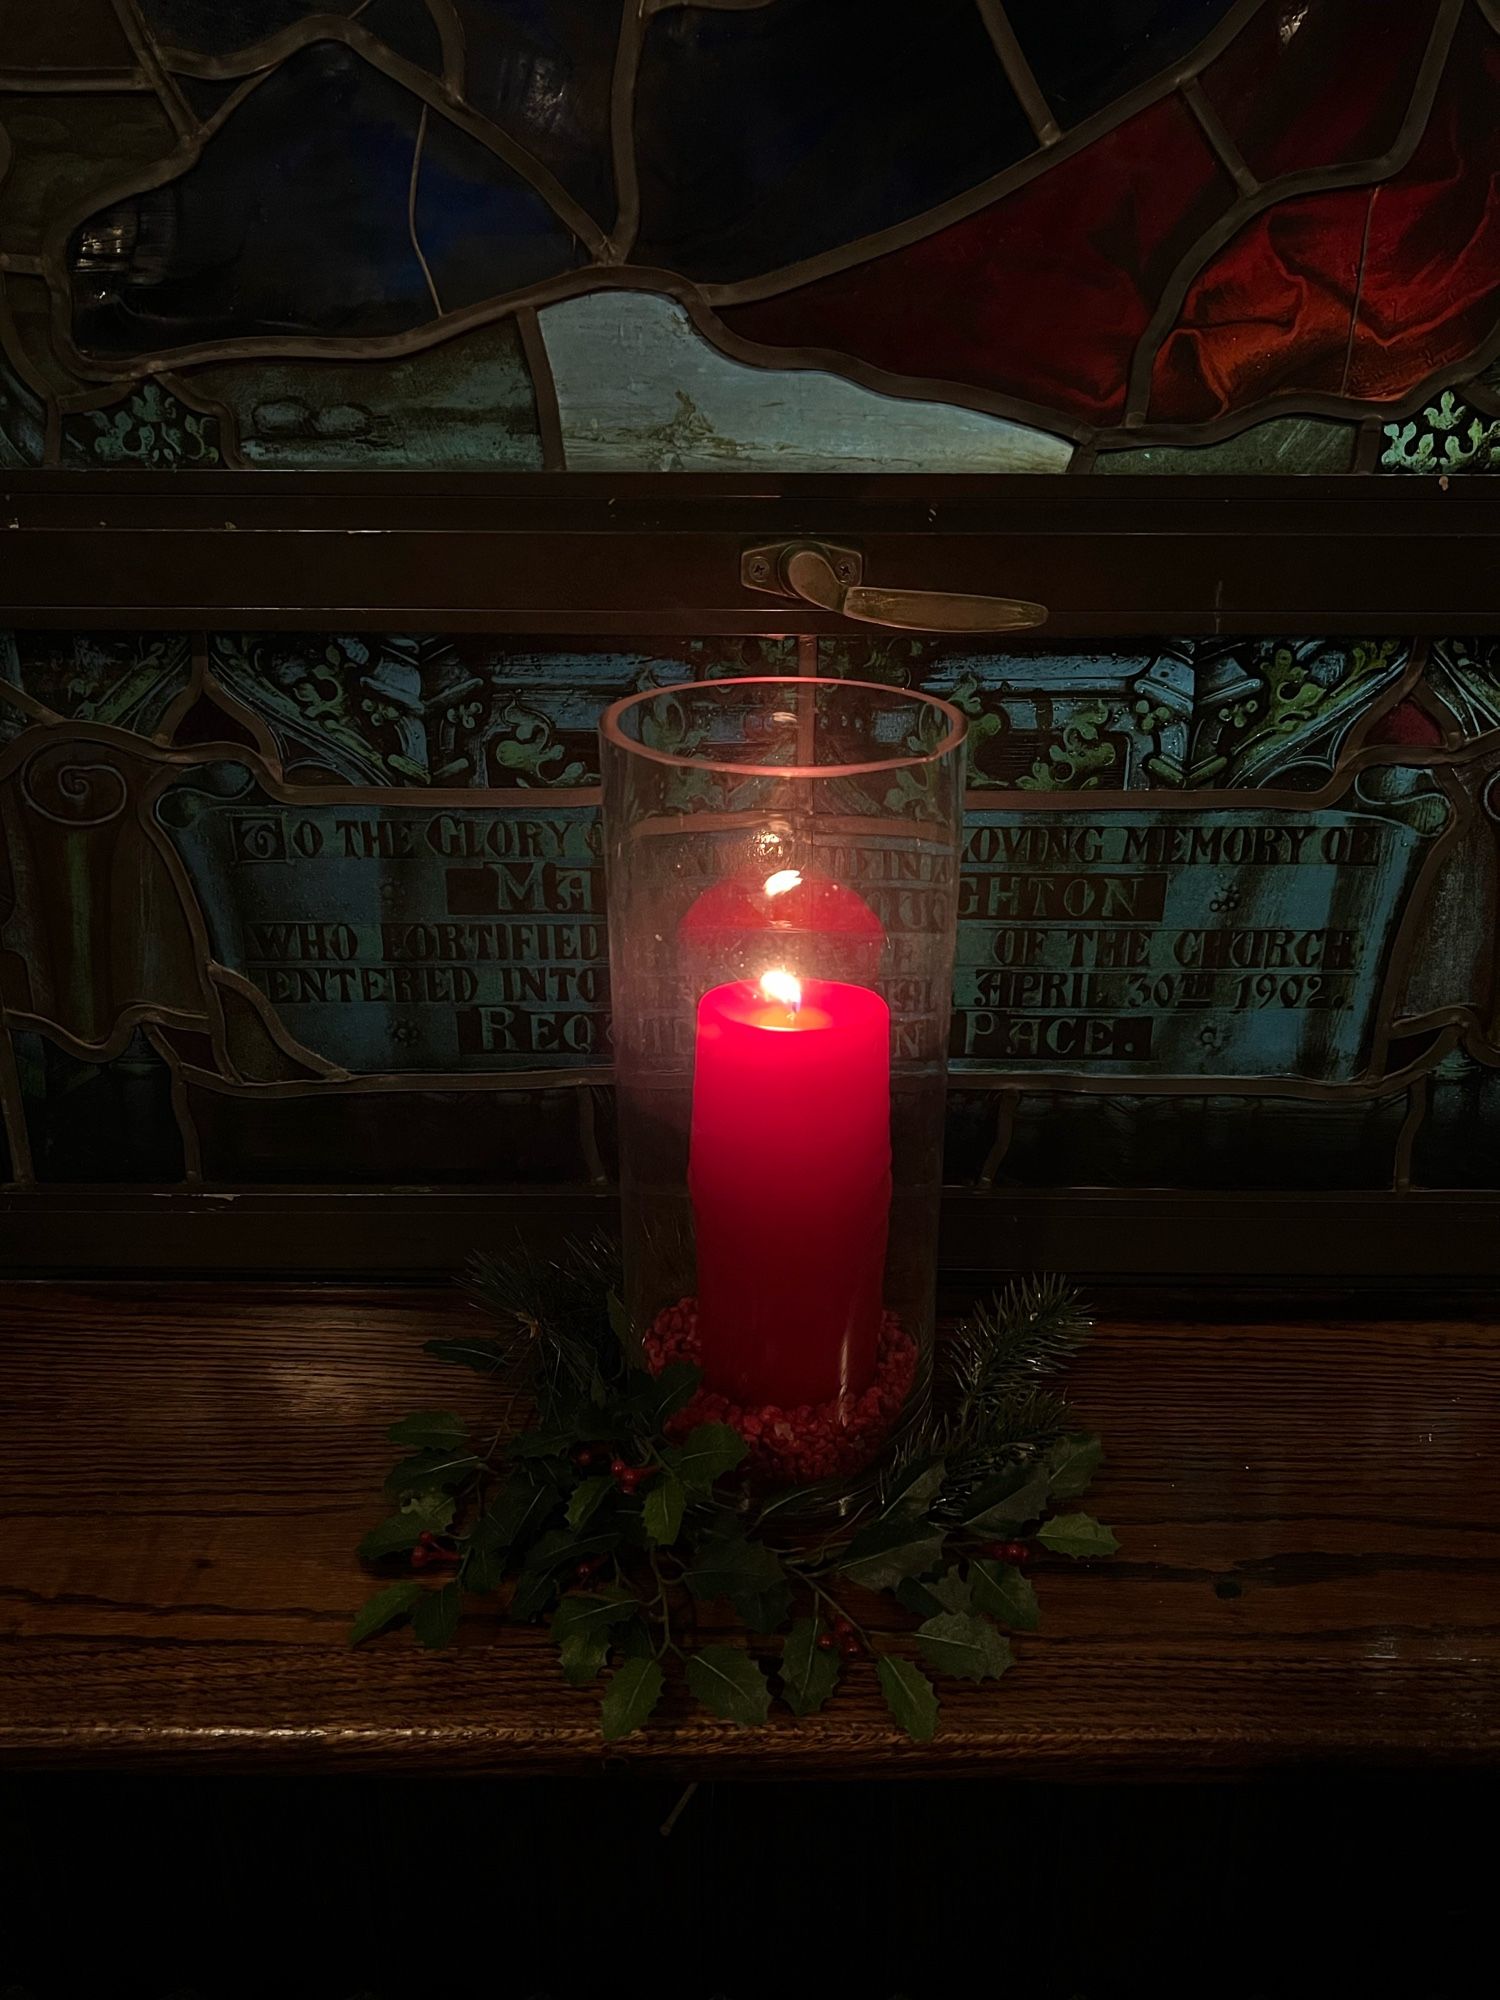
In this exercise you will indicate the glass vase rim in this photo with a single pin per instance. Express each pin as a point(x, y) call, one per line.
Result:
point(957, 729)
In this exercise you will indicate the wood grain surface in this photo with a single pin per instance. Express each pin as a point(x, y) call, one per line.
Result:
point(1310, 1570)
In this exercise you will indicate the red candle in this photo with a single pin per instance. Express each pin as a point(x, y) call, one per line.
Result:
point(790, 1176)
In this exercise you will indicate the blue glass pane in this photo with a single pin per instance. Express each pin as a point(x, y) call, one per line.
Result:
point(767, 135)
point(295, 221)
point(1086, 53)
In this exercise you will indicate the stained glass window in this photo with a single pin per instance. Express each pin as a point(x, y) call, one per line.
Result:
point(1162, 236)
point(318, 906)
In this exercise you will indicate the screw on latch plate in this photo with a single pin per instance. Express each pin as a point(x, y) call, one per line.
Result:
point(765, 568)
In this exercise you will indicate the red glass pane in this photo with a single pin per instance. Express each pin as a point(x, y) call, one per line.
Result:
point(1361, 292)
point(1044, 294)
point(1320, 84)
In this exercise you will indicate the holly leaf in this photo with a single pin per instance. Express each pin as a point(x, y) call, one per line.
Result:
point(632, 1641)
point(729, 1684)
point(593, 1611)
point(589, 1495)
point(705, 1454)
point(1077, 1535)
point(633, 1692)
point(533, 1595)
point(914, 1491)
point(581, 1626)
point(507, 1524)
point(961, 1644)
point(1003, 1593)
point(930, 1595)
point(654, 1398)
point(560, 1545)
point(384, 1608)
point(421, 1514)
point(763, 1610)
point(582, 1654)
point(487, 1356)
point(435, 1619)
point(885, 1552)
point(1071, 1465)
point(555, 1443)
point(910, 1697)
point(440, 1430)
point(809, 1675)
point(662, 1512)
point(427, 1468)
point(1000, 1511)
point(726, 1561)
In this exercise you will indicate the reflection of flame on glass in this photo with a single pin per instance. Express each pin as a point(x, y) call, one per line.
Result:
point(783, 989)
point(782, 880)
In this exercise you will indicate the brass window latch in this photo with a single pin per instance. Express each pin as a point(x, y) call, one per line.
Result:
point(833, 578)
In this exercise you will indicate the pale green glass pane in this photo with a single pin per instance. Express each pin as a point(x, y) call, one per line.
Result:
point(467, 404)
point(640, 389)
point(1287, 444)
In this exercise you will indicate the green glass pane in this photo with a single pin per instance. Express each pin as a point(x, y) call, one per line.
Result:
point(640, 389)
point(127, 679)
point(23, 422)
point(1286, 444)
point(466, 404)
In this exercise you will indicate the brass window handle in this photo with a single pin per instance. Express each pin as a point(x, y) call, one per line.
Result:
point(818, 573)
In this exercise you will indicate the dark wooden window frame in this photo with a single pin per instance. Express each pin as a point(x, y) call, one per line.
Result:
point(646, 554)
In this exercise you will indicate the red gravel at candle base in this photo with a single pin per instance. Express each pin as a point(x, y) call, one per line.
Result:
point(802, 1446)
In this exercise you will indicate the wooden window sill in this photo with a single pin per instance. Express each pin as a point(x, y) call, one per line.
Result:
point(1310, 1571)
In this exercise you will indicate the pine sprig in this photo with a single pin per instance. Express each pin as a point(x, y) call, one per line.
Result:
point(601, 1519)
point(1035, 1327)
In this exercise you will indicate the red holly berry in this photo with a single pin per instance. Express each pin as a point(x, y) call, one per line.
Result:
point(583, 1455)
point(431, 1550)
point(850, 1647)
point(842, 1628)
point(1017, 1552)
point(621, 1468)
point(826, 1642)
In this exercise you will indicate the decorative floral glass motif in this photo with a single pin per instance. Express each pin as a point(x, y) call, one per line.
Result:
point(1227, 907)
point(1008, 235)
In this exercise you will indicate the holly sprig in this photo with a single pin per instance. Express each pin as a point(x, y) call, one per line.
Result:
point(594, 1516)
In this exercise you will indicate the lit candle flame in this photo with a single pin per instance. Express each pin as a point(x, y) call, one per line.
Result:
point(783, 989)
point(782, 880)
